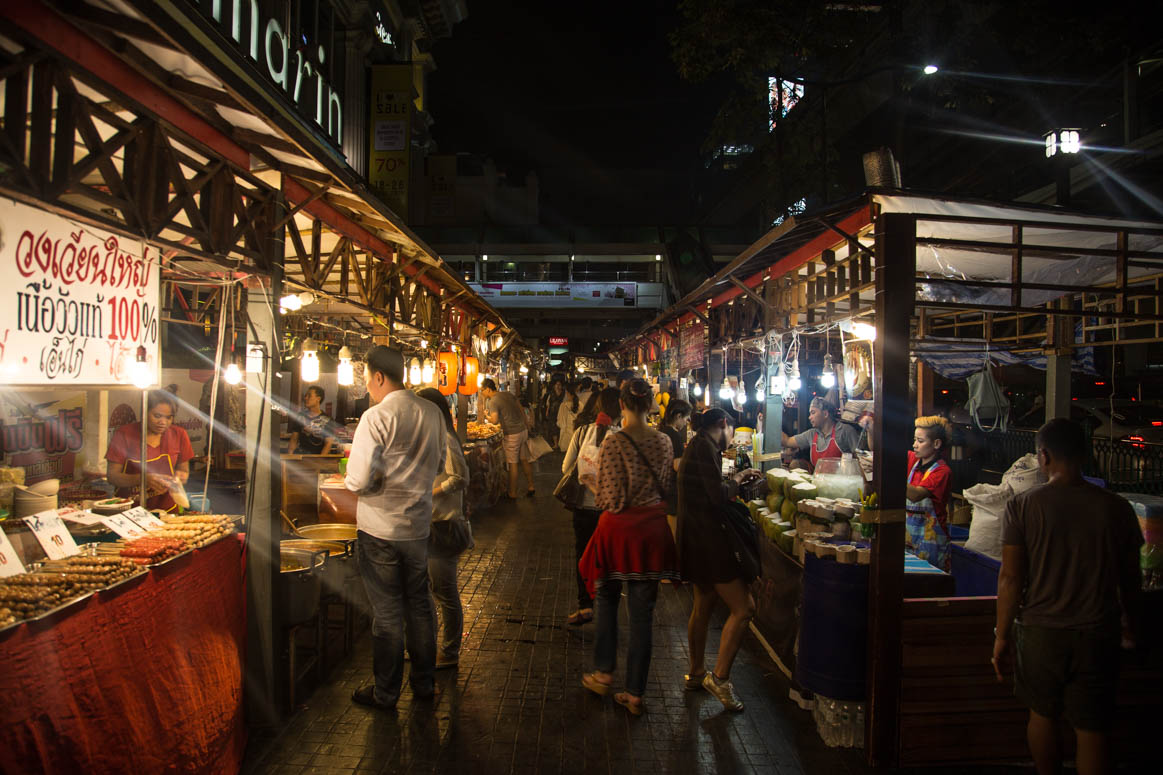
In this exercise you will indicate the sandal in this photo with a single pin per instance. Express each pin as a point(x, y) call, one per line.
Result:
point(627, 701)
point(596, 685)
point(580, 617)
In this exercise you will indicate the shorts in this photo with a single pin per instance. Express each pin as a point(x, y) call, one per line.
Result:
point(516, 447)
point(1072, 674)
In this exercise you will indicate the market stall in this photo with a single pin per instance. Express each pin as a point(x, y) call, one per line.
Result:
point(840, 305)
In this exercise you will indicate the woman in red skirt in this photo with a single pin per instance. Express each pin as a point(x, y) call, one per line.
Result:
point(632, 543)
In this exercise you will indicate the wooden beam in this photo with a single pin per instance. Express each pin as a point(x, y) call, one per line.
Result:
point(755, 297)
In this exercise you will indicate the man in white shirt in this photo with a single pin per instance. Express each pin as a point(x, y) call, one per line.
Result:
point(399, 447)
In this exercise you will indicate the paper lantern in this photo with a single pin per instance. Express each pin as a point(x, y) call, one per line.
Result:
point(446, 373)
point(471, 370)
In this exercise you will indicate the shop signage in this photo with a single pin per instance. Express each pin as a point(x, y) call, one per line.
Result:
point(391, 134)
point(283, 57)
point(559, 341)
point(692, 347)
point(143, 517)
point(52, 535)
point(575, 295)
point(76, 301)
point(10, 564)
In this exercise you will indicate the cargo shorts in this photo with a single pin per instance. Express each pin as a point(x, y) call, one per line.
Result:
point(1072, 674)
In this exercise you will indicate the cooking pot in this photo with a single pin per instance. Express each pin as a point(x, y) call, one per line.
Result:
point(300, 582)
point(329, 531)
point(340, 561)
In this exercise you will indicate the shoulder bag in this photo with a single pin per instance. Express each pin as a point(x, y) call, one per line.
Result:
point(662, 494)
point(743, 540)
point(569, 490)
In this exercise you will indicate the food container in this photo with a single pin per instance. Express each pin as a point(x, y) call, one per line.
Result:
point(300, 583)
point(340, 565)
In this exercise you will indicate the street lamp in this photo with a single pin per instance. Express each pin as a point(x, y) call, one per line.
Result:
point(930, 69)
point(1060, 145)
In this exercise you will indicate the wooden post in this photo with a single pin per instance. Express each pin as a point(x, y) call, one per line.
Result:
point(895, 278)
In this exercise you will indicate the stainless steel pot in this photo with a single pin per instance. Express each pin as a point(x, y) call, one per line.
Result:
point(340, 565)
point(329, 531)
point(300, 583)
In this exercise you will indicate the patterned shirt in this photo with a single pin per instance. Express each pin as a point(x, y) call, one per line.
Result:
point(624, 480)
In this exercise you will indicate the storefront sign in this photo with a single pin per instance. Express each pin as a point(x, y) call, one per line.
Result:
point(284, 57)
point(75, 301)
point(575, 295)
point(42, 436)
point(559, 341)
point(52, 535)
point(10, 564)
point(391, 134)
point(692, 347)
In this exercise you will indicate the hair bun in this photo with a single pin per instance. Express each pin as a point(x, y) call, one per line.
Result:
point(639, 387)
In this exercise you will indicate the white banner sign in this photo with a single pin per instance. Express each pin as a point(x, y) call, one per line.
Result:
point(75, 301)
point(52, 535)
point(558, 294)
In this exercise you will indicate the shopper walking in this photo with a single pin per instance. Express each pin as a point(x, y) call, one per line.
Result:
point(398, 449)
point(570, 406)
point(550, 404)
point(601, 415)
point(632, 544)
point(451, 536)
point(504, 409)
point(705, 557)
point(674, 425)
point(1069, 573)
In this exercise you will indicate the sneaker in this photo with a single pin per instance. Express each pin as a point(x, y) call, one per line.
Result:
point(366, 695)
point(724, 692)
point(693, 682)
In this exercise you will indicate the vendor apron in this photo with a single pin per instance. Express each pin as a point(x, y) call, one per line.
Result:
point(162, 464)
point(924, 532)
point(831, 451)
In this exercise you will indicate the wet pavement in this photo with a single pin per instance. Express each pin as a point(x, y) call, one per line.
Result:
point(515, 703)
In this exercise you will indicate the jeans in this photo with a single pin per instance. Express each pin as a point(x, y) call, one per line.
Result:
point(641, 596)
point(395, 574)
point(442, 575)
point(585, 522)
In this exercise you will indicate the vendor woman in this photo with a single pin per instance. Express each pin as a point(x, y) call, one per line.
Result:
point(927, 493)
point(168, 453)
point(828, 437)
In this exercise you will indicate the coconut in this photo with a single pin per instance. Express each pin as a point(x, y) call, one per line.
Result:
point(775, 500)
point(802, 491)
point(787, 510)
point(775, 479)
point(790, 481)
point(754, 506)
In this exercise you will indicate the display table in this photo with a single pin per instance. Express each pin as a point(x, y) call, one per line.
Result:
point(488, 477)
point(144, 678)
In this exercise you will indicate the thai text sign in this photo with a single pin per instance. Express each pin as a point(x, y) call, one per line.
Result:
point(391, 134)
point(76, 302)
point(539, 294)
point(692, 347)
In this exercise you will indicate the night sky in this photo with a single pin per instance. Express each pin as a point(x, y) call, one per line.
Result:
point(579, 92)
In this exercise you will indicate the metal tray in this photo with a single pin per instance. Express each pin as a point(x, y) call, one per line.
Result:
point(143, 570)
point(168, 560)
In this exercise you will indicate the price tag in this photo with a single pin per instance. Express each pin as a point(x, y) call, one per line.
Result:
point(79, 517)
point(143, 517)
point(10, 564)
point(126, 528)
point(52, 535)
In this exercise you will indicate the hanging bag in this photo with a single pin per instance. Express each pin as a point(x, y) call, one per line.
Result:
point(986, 399)
point(569, 489)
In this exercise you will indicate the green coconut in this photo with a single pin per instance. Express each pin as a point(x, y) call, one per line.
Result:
point(790, 481)
point(754, 506)
point(775, 479)
point(802, 491)
point(774, 500)
point(787, 510)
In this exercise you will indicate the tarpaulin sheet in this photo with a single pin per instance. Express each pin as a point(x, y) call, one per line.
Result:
point(146, 678)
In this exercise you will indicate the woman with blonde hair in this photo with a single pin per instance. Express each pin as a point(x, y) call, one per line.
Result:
point(927, 492)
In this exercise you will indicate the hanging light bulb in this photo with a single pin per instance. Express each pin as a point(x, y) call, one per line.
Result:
point(254, 356)
point(726, 392)
point(524, 369)
point(760, 390)
point(306, 298)
point(233, 374)
point(741, 394)
point(828, 375)
point(139, 371)
point(864, 331)
point(428, 372)
point(423, 344)
point(415, 373)
point(794, 382)
point(291, 302)
point(345, 372)
point(309, 361)
point(698, 391)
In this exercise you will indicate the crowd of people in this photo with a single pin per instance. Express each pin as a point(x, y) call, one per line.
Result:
point(648, 507)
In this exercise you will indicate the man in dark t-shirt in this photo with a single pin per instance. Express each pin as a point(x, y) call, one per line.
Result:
point(1069, 582)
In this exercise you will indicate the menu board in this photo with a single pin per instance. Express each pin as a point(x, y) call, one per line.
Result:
point(52, 535)
point(76, 301)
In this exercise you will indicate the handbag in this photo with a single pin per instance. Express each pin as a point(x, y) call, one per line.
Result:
point(662, 494)
point(743, 540)
point(538, 446)
point(569, 489)
point(449, 538)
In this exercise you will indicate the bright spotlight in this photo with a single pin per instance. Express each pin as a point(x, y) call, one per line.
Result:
point(930, 69)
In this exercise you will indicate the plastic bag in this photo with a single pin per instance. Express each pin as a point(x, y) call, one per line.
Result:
point(178, 493)
point(538, 446)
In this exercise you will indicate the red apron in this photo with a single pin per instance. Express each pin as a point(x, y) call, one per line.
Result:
point(832, 450)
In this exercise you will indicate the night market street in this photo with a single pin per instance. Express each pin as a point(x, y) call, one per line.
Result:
point(515, 704)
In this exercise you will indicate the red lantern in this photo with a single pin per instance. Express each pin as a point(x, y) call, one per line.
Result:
point(446, 373)
point(469, 383)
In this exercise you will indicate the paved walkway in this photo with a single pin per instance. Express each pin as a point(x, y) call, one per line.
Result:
point(515, 704)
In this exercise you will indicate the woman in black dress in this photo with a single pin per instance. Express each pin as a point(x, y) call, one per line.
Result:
point(705, 558)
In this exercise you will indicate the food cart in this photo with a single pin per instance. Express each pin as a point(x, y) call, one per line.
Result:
point(897, 270)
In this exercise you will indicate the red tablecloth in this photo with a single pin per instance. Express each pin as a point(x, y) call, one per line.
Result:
point(146, 678)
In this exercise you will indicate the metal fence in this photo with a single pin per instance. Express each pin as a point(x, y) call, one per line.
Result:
point(1124, 466)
